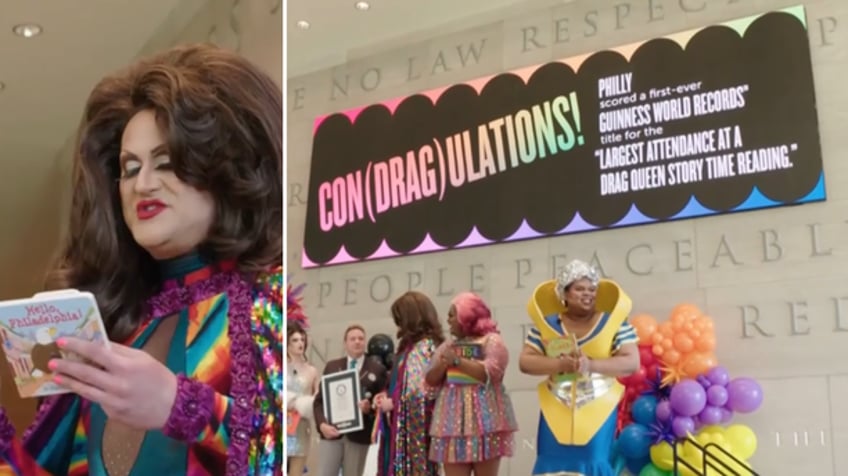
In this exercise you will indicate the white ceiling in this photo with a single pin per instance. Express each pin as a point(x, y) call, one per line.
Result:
point(47, 80)
point(337, 27)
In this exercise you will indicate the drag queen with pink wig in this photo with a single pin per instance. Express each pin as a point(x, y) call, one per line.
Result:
point(473, 420)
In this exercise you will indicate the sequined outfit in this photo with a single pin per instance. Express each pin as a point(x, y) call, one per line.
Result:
point(472, 421)
point(298, 444)
point(404, 443)
point(221, 333)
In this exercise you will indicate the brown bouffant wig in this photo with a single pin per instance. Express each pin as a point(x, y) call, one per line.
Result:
point(416, 318)
point(292, 329)
point(222, 117)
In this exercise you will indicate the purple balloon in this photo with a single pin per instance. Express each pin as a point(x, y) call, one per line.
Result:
point(717, 395)
point(710, 415)
point(664, 412)
point(688, 398)
point(718, 376)
point(744, 395)
point(726, 416)
point(704, 381)
point(682, 426)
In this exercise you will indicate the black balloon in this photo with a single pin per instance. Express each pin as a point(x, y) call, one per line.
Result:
point(376, 358)
point(382, 347)
point(389, 361)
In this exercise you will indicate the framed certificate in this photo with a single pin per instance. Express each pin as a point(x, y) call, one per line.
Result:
point(341, 394)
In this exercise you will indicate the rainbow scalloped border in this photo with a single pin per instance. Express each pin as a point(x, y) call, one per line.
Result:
point(693, 209)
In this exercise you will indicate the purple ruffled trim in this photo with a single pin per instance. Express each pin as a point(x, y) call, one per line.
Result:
point(40, 415)
point(174, 298)
point(7, 432)
point(243, 386)
point(191, 411)
point(50, 412)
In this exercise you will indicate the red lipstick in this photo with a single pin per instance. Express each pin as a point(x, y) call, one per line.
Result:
point(148, 209)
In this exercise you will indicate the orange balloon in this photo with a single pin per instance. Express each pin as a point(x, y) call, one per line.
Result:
point(687, 308)
point(657, 338)
point(698, 363)
point(688, 316)
point(708, 323)
point(671, 357)
point(658, 350)
point(667, 344)
point(695, 334)
point(678, 319)
point(706, 343)
point(683, 343)
point(645, 326)
point(666, 330)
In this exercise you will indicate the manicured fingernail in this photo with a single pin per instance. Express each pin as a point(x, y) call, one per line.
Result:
point(61, 342)
point(57, 379)
point(52, 365)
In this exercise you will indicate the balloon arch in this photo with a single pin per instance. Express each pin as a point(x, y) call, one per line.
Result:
point(680, 396)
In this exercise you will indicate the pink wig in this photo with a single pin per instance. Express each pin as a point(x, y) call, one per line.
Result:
point(473, 315)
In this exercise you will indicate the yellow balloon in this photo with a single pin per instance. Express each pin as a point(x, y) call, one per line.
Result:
point(743, 440)
point(703, 438)
point(662, 455)
point(695, 461)
point(690, 450)
point(721, 464)
point(712, 429)
point(721, 440)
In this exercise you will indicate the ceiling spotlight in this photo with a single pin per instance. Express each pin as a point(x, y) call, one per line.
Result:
point(27, 30)
point(362, 6)
point(303, 24)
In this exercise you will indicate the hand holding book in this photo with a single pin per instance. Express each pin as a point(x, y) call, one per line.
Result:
point(131, 386)
point(30, 329)
point(571, 358)
point(454, 355)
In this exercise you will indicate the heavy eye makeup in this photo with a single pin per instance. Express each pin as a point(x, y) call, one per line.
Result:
point(131, 166)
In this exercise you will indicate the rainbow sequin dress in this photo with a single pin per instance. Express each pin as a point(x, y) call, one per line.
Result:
point(404, 442)
point(474, 421)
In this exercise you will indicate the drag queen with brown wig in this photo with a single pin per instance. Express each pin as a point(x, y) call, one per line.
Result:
point(175, 227)
point(408, 406)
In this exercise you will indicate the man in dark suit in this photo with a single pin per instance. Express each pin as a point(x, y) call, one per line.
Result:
point(348, 452)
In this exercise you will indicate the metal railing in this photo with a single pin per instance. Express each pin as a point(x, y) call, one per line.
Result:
point(711, 461)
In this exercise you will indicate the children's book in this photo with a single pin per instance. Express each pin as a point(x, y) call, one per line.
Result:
point(465, 350)
point(468, 350)
point(29, 329)
point(566, 345)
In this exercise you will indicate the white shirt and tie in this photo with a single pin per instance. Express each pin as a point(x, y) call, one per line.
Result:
point(355, 363)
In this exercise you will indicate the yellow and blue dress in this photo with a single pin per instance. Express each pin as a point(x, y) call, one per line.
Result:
point(578, 413)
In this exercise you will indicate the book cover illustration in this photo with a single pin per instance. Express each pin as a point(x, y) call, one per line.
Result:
point(566, 345)
point(465, 350)
point(29, 329)
point(561, 346)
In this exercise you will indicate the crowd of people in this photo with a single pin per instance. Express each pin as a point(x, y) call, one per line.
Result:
point(443, 408)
